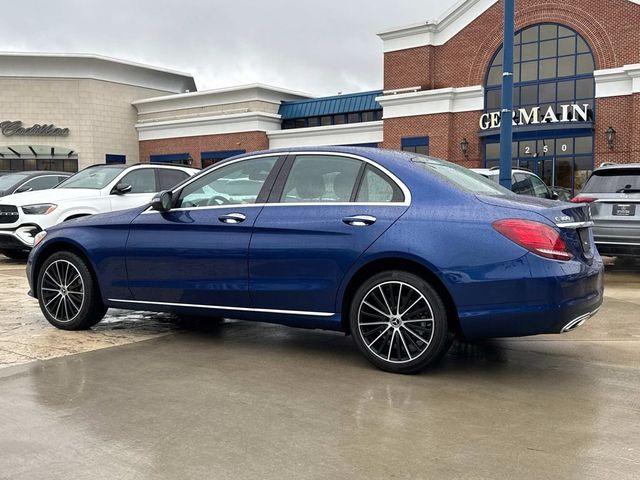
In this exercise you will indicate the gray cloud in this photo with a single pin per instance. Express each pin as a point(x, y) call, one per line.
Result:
point(317, 47)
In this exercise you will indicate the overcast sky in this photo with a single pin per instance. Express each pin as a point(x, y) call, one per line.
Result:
point(321, 47)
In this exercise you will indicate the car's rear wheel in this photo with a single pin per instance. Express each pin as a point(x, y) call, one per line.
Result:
point(399, 322)
point(68, 293)
point(15, 254)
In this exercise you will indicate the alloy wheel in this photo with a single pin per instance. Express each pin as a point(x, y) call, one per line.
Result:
point(396, 322)
point(62, 291)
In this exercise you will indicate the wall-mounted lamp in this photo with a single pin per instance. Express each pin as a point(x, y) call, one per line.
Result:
point(464, 146)
point(611, 137)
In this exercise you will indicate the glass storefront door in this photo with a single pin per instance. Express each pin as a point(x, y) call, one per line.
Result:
point(563, 162)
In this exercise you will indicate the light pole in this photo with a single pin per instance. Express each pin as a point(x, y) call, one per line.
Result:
point(506, 130)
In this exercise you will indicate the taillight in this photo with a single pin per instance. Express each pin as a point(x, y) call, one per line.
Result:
point(536, 237)
point(582, 200)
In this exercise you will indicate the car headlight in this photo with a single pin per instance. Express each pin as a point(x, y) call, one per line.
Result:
point(40, 209)
point(39, 237)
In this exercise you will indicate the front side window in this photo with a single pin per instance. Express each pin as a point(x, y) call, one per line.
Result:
point(141, 181)
point(523, 185)
point(539, 188)
point(318, 178)
point(235, 184)
point(40, 183)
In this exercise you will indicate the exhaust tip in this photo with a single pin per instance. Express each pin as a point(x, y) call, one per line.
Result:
point(578, 322)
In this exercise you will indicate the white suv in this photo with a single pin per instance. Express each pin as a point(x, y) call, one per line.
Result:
point(97, 189)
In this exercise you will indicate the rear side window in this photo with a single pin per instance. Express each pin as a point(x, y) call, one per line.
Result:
point(614, 181)
point(319, 178)
point(169, 178)
point(141, 181)
point(376, 187)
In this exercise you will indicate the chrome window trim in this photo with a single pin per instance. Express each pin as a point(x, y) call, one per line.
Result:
point(220, 307)
point(405, 190)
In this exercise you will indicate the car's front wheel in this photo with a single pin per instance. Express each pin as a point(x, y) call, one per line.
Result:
point(399, 322)
point(68, 293)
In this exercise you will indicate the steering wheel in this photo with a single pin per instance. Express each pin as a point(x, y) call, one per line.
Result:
point(217, 200)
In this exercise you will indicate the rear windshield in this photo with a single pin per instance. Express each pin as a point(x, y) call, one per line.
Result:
point(614, 180)
point(461, 177)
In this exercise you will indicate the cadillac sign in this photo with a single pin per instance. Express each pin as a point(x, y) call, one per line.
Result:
point(11, 128)
point(537, 116)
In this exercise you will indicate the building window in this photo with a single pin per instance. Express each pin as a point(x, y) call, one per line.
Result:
point(209, 158)
point(415, 145)
point(336, 119)
point(111, 158)
point(353, 118)
point(553, 66)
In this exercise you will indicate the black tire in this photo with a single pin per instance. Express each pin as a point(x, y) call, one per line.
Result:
point(386, 327)
point(15, 254)
point(68, 293)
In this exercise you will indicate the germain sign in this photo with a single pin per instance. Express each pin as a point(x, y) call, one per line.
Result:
point(14, 128)
point(536, 116)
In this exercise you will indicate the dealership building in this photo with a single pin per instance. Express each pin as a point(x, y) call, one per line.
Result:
point(576, 97)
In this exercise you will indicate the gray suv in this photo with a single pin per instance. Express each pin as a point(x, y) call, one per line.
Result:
point(613, 192)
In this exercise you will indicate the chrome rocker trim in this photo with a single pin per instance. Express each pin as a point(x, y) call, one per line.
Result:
point(579, 321)
point(219, 307)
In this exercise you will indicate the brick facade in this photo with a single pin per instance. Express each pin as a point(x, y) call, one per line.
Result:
point(609, 28)
point(194, 146)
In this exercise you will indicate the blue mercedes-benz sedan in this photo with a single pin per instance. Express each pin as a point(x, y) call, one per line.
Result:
point(400, 250)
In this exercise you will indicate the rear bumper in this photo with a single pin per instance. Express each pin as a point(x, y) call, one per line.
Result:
point(559, 302)
point(618, 249)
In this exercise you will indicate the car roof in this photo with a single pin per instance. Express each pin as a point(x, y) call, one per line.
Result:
point(124, 167)
point(617, 166)
point(491, 171)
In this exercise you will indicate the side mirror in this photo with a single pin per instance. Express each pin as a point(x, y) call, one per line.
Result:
point(122, 188)
point(554, 195)
point(162, 201)
point(23, 189)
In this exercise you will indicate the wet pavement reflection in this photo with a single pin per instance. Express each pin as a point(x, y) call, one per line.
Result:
point(243, 400)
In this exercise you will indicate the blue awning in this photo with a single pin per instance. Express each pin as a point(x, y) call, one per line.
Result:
point(349, 103)
point(221, 154)
point(169, 158)
point(414, 141)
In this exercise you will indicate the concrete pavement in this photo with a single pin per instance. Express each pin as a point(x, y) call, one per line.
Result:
point(242, 400)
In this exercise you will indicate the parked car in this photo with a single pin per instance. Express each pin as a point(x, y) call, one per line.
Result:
point(523, 182)
point(613, 194)
point(97, 189)
point(18, 182)
point(398, 249)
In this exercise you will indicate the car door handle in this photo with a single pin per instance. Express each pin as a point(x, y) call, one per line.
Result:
point(232, 218)
point(360, 220)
